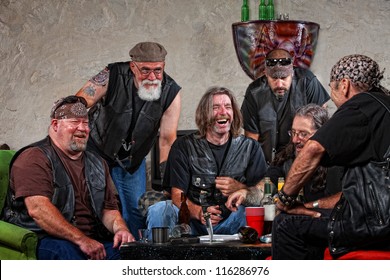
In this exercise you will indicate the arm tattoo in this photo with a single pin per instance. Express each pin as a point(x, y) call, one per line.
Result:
point(101, 79)
point(89, 90)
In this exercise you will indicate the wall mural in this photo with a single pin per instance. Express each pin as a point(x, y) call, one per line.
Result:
point(254, 39)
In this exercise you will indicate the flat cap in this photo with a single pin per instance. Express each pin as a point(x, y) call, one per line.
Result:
point(148, 52)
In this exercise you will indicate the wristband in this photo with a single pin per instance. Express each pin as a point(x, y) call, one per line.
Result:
point(288, 200)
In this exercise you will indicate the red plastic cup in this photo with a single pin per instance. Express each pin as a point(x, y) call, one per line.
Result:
point(255, 218)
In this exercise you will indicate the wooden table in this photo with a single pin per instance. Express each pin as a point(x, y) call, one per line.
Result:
point(228, 250)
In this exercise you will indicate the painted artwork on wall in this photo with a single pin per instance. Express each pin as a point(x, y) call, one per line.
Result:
point(254, 39)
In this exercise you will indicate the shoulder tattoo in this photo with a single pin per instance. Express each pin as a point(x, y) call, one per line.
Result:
point(101, 79)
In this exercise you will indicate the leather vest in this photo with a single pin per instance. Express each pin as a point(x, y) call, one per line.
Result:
point(63, 196)
point(110, 119)
point(361, 219)
point(268, 116)
point(204, 167)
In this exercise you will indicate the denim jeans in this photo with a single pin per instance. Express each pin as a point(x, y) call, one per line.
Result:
point(50, 248)
point(130, 188)
point(230, 225)
point(299, 237)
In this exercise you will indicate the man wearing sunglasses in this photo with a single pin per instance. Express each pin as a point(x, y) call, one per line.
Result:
point(130, 103)
point(271, 100)
point(64, 193)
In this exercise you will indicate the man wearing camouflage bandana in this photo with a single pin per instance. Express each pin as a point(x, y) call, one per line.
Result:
point(271, 101)
point(64, 193)
point(356, 138)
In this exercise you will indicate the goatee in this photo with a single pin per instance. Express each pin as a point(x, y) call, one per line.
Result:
point(152, 93)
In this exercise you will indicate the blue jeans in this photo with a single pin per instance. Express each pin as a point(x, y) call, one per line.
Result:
point(50, 248)
point(130, 188)
point(230, 225)
point(299, 237)
point(155, 216)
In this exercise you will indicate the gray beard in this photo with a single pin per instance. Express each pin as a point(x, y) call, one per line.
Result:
point(150, 94)
point(254, 197)
point(78, 147)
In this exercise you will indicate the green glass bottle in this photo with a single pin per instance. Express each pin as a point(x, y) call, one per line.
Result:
point(270, 10)
point(262, 10)
point(244, 11)
point(269, 206)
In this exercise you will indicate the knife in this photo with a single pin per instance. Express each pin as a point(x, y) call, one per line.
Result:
point(206, 215)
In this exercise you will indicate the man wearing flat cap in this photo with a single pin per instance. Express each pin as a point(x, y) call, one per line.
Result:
point(130, 102)
point(64, 193)
point(271, 101)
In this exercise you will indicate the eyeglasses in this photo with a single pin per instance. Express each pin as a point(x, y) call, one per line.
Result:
point(67, 100)
point(281, 61)
point(147, 71)
point(301, 134)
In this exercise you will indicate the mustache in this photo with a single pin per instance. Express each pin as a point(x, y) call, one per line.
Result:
point(81, 135)
point(147, 82)
point(299, 146)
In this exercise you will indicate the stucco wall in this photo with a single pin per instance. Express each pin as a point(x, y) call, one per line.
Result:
point(48, 49)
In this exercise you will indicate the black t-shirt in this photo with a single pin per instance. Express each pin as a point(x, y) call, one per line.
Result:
point(357, 132)
point(219, 152)
point(178, 168)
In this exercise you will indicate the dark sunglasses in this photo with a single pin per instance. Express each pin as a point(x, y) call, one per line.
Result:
point(281, 61)
point(67, 100)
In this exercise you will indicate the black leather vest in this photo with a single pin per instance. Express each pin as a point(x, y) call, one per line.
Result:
point(204, 167)
point(268, 116)
point(63, 197)
point(110, 119)
point(361, 219)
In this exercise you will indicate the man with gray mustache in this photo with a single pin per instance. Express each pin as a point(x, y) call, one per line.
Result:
point(130, 102)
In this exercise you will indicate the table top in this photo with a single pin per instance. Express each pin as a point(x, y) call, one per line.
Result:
point(228, 250)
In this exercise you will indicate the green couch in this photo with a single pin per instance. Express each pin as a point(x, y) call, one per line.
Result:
point(16, 243)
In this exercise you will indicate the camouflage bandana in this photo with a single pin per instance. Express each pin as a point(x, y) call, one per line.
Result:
point(357, 68)
point(278, 71)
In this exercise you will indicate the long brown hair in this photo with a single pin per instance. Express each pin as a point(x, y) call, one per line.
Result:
point(204, 117)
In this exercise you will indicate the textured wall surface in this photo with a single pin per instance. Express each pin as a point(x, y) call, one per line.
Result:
point(48, 49)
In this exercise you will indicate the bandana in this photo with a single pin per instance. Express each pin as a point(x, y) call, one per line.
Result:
point(357, 68)
point(278, 71)
point(69, 108)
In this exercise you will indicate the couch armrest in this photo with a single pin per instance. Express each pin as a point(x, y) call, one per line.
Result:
point(18, 238)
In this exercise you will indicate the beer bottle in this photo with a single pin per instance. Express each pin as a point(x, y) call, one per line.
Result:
point(184, 212)
point(270, 10)
point(280, 183)
point(244, 11)
point(262, 10)
point(269, 206)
